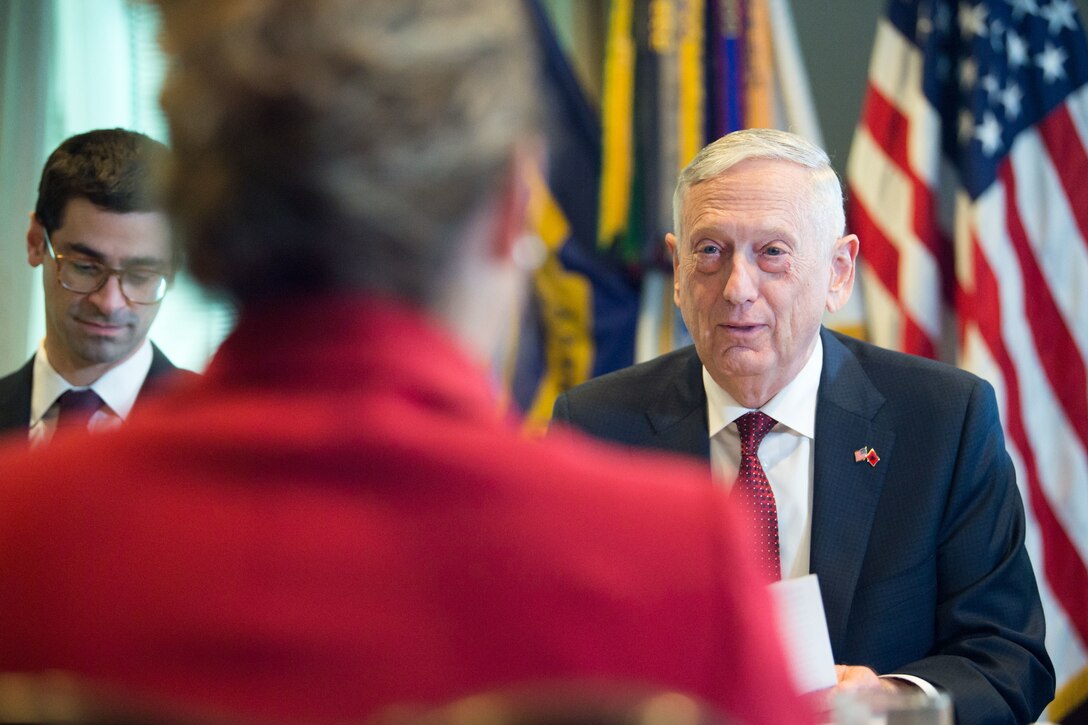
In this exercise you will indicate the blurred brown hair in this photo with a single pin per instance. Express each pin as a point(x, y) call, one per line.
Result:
point(339, 144)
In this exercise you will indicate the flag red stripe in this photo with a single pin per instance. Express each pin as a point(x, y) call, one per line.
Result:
point(888, 127)
point(1065, 572)
point(1054, 344)
point(883, 259)
point(1063, 143)
point(917, 341)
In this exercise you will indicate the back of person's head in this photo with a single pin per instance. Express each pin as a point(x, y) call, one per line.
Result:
point(328, 145)
point(825, 201)
point(114, 169)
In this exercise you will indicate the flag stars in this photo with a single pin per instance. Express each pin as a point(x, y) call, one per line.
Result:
point(968, 74)
point(1016, 48)
point(1023, 7)
point(997, 35)
point(944, 68)
point(991, 85)
point(967, 126)
point(942, 18)
point(973, 20)
point(1010, 99)
point(924, 27)
point(1052, 62)
point(1059, 14)
point(988, 134)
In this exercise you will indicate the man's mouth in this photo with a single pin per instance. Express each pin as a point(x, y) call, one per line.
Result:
point(101, 328)
point(743, 328)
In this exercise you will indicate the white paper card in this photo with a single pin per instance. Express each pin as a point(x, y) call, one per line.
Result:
point(803, 628)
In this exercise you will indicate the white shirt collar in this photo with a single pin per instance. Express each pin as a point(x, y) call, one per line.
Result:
point(794, 406)
point(118, 386)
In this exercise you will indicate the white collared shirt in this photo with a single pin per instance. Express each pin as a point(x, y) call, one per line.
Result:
point(118, 388)
point(786, 454)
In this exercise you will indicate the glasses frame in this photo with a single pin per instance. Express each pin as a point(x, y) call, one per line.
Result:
point(59, 258)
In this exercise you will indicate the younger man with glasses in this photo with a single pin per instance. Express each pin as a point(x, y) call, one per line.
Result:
point(106, 256)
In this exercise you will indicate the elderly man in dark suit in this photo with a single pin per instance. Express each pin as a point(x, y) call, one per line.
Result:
point(104, 247)
point(884, 474)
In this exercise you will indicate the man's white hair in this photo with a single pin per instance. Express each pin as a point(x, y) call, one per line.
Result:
point(825, 202)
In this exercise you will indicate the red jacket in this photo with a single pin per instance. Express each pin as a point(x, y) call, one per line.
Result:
point(336, 519)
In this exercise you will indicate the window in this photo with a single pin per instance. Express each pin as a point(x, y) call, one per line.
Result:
point(68, 66)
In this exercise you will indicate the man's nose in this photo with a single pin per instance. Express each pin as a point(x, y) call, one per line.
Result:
point(109, 298)
point(740, 284)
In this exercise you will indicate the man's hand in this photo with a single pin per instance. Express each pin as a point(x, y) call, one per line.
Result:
point(854, 678)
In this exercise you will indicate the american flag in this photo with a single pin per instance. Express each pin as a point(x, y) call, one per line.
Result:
point(968, 186)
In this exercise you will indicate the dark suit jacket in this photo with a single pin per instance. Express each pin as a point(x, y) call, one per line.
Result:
point(921, 558)
point(15, 389)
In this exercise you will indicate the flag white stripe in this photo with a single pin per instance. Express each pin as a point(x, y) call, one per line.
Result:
point(884, 318)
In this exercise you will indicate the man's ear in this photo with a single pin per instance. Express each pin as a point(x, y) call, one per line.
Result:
point(512, 212)
point(673, 244)
point(35, 242)
point(843, 257)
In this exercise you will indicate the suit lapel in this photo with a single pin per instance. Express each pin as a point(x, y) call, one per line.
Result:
point(15, 392)
point(160, 364)
point(844, 490)
point(678, 417)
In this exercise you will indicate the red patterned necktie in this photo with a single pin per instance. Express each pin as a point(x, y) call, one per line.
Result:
point(76, 408)
point(755, 495)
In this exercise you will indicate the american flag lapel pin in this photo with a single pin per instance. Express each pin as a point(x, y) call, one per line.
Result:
point(865, 453)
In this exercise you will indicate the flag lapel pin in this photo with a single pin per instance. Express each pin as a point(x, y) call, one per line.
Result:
point(860, 454)
point(872, 457)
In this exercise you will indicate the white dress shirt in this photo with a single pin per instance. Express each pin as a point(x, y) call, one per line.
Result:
point(786, 454)
point(118, 388)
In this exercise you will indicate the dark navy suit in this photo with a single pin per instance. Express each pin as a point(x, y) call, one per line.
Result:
point(15, 389)
point(921, 558)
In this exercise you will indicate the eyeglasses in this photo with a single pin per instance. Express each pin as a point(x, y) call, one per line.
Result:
point(139, 285)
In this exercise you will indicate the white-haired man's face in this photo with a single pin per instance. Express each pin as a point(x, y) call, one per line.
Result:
point(752, 278)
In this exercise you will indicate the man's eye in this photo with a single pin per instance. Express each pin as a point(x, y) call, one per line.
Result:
point(142, 276)
point(707, 249)
point(89, 269)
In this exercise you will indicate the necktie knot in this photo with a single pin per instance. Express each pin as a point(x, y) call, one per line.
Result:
point(76, 408)
point(753, 427)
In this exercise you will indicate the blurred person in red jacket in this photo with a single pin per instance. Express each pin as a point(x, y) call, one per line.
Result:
point(338, 518)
